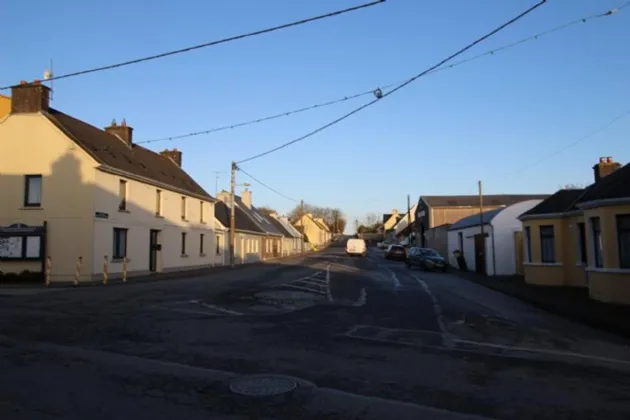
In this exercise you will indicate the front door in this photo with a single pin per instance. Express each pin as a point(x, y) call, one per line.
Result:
point(480, 254)
point(154, 247)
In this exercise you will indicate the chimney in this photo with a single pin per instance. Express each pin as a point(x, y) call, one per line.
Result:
point(224, 196)
point(273, 214)
point(122, 131)
point(174, 155)
point(246, 197)
point(394, 212)
point(605, 167)
point(29, 98)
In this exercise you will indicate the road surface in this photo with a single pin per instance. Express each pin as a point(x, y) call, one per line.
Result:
point(346, 338)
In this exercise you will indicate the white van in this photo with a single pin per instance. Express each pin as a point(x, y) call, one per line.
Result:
point(356, 247)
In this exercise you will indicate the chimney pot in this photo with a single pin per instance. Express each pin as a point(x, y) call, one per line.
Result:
point(609, 159)
point(123, 132)
point(29, 98)
point(174, 155)
point(123, 123)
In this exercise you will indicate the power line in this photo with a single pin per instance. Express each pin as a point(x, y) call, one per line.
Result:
point(399, 87)
point(213, 43)
point(387, 86)
point(574, 143)
point(267, 186)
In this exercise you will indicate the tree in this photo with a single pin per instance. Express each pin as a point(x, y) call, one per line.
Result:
point(266, 210)
point(334, 218)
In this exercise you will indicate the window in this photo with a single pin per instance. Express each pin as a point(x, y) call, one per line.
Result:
point(32, 190)
point(582, 242)
point(120, 244)
point(201, 243)
point(528, 244)
point(158, 202)
point(183, 243)
point(460, 238)
point(218, 245)
point(547, 245)
point(122, 194)
point(623, 238)
point(183, 208)
point(201, 211)
point(597, 241)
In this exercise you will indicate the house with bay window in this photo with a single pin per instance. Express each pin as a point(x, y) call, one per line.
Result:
point(581, 237)
point(95, 201)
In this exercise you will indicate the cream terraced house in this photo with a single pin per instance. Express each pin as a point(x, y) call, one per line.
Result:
point(102, 198)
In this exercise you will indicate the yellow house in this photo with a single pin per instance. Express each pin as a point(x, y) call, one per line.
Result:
point(5, 106)
point(108, 205)
point(316, 231)
point(581, 237)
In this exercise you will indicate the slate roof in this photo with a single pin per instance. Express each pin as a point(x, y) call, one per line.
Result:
point(289, 227)
point(615, 185)
point(280, 227)
point(257, 217)
point(242, 221)
point(386, 217)
point(560, 202)
point(474, 220)
point(110, 151)
point(473, 200)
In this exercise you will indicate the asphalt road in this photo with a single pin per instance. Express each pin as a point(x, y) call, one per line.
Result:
point(358, 338)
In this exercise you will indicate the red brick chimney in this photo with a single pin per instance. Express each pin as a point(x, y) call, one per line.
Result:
point(122, 131)
point(29, 98)
point(605, 167)
point(174, 155)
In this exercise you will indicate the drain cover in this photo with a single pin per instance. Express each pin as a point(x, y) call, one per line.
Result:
point(263, 386)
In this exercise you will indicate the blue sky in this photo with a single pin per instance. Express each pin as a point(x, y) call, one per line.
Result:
point(483, 120)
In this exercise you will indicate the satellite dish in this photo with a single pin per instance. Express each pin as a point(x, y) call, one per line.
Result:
point(48, 75)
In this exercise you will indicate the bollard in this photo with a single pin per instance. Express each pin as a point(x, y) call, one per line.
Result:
point(48, 268)
point(77, 273)
point(124, 273)
point(105, 269)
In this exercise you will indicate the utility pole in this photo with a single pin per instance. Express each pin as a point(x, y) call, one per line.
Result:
point(302, 221)
point(232, 215)
point(481, 208)
point(409, 217)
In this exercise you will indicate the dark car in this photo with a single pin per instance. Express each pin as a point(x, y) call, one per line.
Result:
point(396, 252)
point(426, 258)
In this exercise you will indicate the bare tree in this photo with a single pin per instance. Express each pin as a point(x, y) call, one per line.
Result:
point(266, 210)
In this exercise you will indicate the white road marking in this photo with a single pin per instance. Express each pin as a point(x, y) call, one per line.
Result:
point(328, 293)
point(448, 339)
point(394, 277)
point(219, 309)
point(188, 311)
point(319, 292)
point(309, 283)
point(362, 298)
point(543, 351)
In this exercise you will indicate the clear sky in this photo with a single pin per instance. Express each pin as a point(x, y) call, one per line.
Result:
point(483, 120)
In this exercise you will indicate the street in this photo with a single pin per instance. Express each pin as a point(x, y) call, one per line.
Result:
point(345, 338)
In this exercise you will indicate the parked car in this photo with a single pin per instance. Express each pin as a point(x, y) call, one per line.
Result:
point(426, 258)
point(396, 252)
point(383, 245)
point(356, 247)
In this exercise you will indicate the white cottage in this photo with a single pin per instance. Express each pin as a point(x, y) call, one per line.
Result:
point(503, 239)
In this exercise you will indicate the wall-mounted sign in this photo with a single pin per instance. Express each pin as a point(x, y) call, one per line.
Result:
point(101, 215)
point(420, 214)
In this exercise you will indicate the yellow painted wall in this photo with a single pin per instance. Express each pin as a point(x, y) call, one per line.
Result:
point(537, 272)
point(34, 145)
point(315, 234)
point(5, 106)
point(610, 284)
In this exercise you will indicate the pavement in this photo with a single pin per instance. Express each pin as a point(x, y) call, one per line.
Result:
point(318, 337)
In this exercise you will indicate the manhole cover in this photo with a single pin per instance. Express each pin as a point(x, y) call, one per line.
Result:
point(263, 386)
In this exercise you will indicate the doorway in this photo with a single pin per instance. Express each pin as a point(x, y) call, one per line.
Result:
point(480, 254)
point(154, 247)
